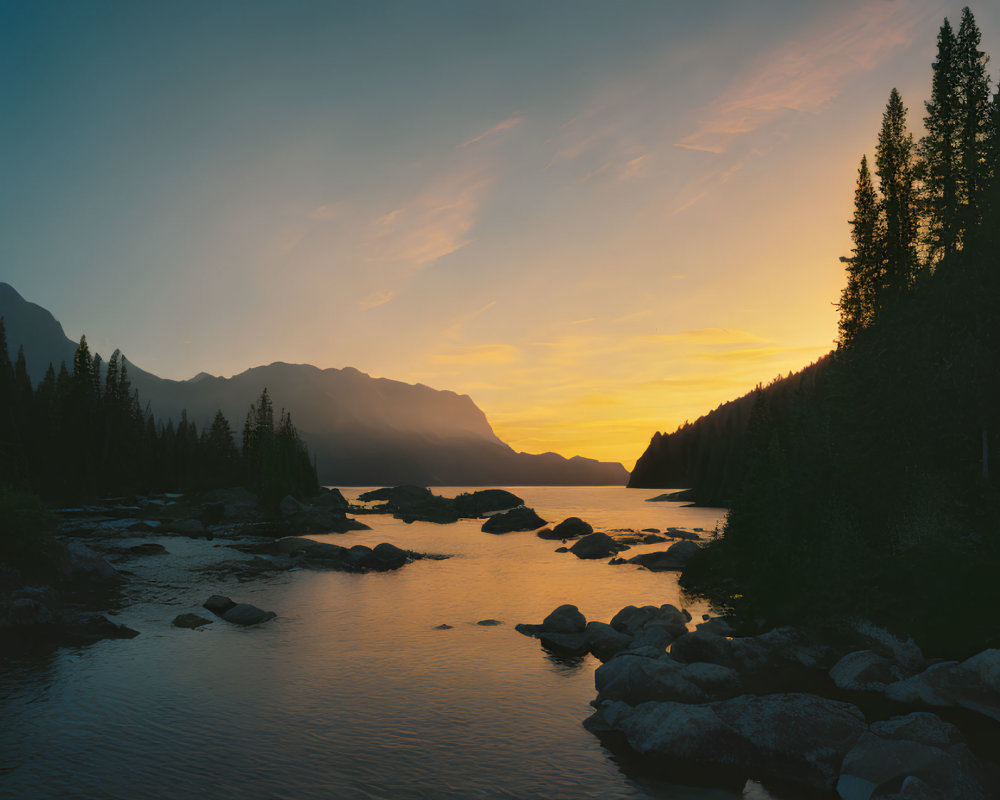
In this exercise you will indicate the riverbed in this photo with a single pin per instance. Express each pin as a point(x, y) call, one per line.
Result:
point(352, 692)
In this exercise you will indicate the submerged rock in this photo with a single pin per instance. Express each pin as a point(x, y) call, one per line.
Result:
point(489, 623)
point(218, 604)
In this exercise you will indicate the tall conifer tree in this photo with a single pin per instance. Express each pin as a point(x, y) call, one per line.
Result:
point(974, 108)
point(894, 166)
point(864, 268)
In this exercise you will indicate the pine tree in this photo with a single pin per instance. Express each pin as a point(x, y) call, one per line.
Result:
point(894, 167)
point(939, 152)
point(859, 300)
point(973, 106)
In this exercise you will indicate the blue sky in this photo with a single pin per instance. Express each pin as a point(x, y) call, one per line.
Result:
point(598, 219)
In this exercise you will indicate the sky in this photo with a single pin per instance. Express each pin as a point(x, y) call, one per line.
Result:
point(598, 219)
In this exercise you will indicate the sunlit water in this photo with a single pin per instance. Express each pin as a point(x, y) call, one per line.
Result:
point(350, 692)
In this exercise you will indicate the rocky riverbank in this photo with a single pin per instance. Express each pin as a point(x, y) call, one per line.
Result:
point(854, 712)
point(69, 599)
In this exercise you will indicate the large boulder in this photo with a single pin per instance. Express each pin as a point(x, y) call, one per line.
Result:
point(245, 614)
point(566, 618)
point(605, 642)
point(634, 679)
point(632, 620)
point(596, 545)
point(864, 671)
point(517, 519)
point(876, 765)
point(799, 738)
point(414, 503)
point(289, 506)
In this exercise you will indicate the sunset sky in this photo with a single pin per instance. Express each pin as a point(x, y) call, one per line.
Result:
point(597, 219)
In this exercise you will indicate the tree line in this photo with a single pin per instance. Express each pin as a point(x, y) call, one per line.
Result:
point(83, 432)
point(875, 494)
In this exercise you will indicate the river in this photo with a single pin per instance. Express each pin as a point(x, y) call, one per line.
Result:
point(351, 692)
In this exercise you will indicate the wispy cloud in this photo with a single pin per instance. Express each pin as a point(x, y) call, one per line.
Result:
point(806, 74)
point(500, 127)
point(432, 225)
point(479, 354)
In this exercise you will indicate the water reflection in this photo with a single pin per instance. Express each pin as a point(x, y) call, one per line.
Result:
point(352, 691)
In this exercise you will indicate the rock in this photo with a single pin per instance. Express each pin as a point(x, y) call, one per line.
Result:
point(218, 604)
point(876, 765)
point(934, 686)
point(330, 498)
point(653, 538)
point(677, 731)
point(705, 646)
point(397, 496)
point(565, 619)
point(148, 549)
point(572, 528)
point(684, 495)
point(567, 643)
point(904, 652)
point(683, 533)
point(595, 545)
point(650, 530)
point(863, 671)
point(386, 556)
point(92, 627)
point(289, 506)
point(414, 503)
point(489, 623)
point(190, 621)
point(246, 614)
point(85, 565)
point(631, 620)
point(635, 679)
point(754, 791)
point(561, 550)
point(978, 683)
point(517, 519)
point(716, 625)
point(604, 641)
point(799, 738)
point(486, 501)
point(920, 726)
point(673, 558)
point(654, 637)
point(443, 627)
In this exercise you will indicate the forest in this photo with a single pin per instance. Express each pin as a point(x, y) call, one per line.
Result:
point(84, 433)
point(874, 495)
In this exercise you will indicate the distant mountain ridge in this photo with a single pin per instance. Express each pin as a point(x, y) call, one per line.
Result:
point(362, 430)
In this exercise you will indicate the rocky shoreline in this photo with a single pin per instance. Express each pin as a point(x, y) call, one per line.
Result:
point(854, 713)
point(69, 602)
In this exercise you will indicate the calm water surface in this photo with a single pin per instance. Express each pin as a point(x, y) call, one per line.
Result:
point(350, 692)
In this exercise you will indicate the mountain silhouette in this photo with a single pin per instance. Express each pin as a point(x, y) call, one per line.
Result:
point(362, 430)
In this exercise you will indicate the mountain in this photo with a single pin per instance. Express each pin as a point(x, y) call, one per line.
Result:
point(363, 431)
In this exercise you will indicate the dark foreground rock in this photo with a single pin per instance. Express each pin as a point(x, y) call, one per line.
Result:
point(796, 739)
point(517, 519)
